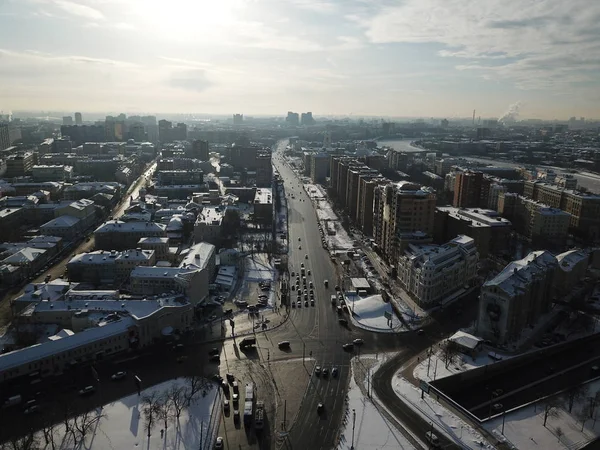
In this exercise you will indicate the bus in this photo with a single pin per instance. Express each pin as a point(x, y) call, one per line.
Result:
point(249, 404)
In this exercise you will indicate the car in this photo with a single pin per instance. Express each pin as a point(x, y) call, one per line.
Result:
point(334, 372)
point(299, 239)
point(299, 304)
point(178, 347)
point(219, 443)
point(420, 331)
point(226, 405)
point(433, 439)
point(312, 302)
point(88, 390)
point(183, 358)
point(325, 372)
point(32, 409)
point(343, 322)
point(293, 273)
point(326, 283)
point(318, 370)
point(305, 256)
point(230, 377)
point(348, 347)
point(320, 408)
point(311, 286)
point(306, 297)
point(215, 358)
point(299, 247)
point(235, 397)
point(293, 304)
point(284, 344)
point(305, 302)
point(497, 406)
point(358, 342)
point(236, 415)
point(118, 376)
point(213, 351)
point(337, 288)
point(308, 272)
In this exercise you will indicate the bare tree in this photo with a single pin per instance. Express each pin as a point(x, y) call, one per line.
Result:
point(178, 396)
point(559, 433)
point(449, 352)
point(165, 410)
point(150, 409)
point(196, 383)
point(48, 431)
point(574, 395)
point(551, 406)
point(28, 441)
point(583, 414)
point(85, 422)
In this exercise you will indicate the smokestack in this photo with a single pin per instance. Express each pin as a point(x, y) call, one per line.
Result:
point(473, 117)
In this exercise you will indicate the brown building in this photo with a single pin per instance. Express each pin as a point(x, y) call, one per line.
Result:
point(470, 190)
point(366, 198)
point(401, 209)
point(19, 164)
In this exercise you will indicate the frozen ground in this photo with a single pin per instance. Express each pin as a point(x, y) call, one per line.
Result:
point(372, 430)
point(432, 368)
point(368, 313)
point(123, 424)
point(444, 422)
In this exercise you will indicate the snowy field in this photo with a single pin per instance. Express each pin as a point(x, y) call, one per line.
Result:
point(444, 422)
point(124, 424)
point(368, 313)
point(372, 430)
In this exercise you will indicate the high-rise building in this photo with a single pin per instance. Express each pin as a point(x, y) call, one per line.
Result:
point(293, 118)
point(471, 190)
point(199, 150)
point(164, 131)
point(238, 119)
point(78, 119)
point(137, 132)
point(401, 211)
point(19, 164)
point(67, 120)
point(80, 134)
point(179, 132)
point(4, 136)
point(307, 119)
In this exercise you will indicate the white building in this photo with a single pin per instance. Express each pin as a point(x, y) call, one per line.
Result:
point(432, 272)
point(118, 235)
point(108, 327)
point(516, 298)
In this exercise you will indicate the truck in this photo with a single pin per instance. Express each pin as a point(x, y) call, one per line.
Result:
point(259, 417)
point(12, 401)
point(333, 299)
point(247, 342)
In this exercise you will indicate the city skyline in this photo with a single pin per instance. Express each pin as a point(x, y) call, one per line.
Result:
point(411, 59)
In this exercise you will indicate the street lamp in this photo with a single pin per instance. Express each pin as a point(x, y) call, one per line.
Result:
point(353, 424)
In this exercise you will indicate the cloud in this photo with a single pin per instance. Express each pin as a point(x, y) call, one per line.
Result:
point(191, 80)
point(79, 9)
point(320, 6)
point(551, 39)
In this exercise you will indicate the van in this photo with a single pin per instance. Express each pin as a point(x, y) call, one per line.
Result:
point(433, 439)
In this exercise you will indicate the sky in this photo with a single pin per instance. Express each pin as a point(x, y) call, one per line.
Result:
point(417, 58)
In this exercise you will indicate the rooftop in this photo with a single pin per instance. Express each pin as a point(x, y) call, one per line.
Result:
point(567, 260)
point(24, 256)
point(117, 226)
point(153, 240)
point(478, 217)
point(197, 255)
point(61, 222)
point(263, 196)
point(211, 215)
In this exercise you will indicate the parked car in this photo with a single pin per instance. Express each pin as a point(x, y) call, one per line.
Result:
point(334, 372)
point(118, 376)
point(358, 342)
point(348, 347)
point(88, 390)
point(226, 406)
point(219, 443)
point(320, 408)
point(318, 370)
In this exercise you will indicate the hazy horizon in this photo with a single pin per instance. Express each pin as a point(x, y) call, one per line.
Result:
point(415, 58)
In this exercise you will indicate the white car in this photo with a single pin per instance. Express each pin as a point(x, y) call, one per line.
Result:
point(219, 443)
point(358, 342)
point(118, 376)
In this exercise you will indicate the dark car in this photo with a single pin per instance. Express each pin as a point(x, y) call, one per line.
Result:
point(343, 322)
point(214, 352)
point(348, 347)
point(215, 358)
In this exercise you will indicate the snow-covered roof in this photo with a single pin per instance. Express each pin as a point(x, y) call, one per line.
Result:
point(53, 347)
point(24, 256)
point(478, 217)
point(136, 255)
point(198, 255)
point(568, 260)
point(157, 272)
point(518, 274)
point(263, 196)
point(153, 240)
point(81, 204)
point(97, 257)
point(117, 226)
point(211, 215)
point(465, 340)
point(61, 222)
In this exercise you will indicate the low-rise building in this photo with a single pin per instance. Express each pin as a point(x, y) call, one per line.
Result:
point(572, 268)
point(488, 229)
point(160, 245)
point(118, 235)
point(517, 297)
point(31, 260)
point(430, 273)
point(96, 268)
point(128, 260)
point(67, 227)
point(109, 326)
point(51, 173)
point(11, 220)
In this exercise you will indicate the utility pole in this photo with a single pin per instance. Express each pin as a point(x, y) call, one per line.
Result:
point(429, 360)
point(284, 413)
point(303, 352)
point(353, 424)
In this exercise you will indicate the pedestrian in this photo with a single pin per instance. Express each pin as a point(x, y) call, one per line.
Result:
point(162, 433)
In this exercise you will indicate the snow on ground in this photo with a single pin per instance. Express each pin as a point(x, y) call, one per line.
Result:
point(524, 428)
point(257, 268)
point(368, 313)
point(372, 430)
point(434, 367)
point(444, 422)
point(122, 425)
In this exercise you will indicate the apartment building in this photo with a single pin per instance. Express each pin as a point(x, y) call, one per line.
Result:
point(118, 235)
point(160, 246)
point(174, 177)
point(366, 201)
point(430, 273)
point(584, 208)
point(470, 190)
point(263, 205)
point(517, 297)
point(19, 164)
point(51, 172)
point(319, 167)
point(207, 227)
point(488, 229)
point(400, 210)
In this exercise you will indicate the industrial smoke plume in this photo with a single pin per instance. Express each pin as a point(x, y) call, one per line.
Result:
point(512, 113)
